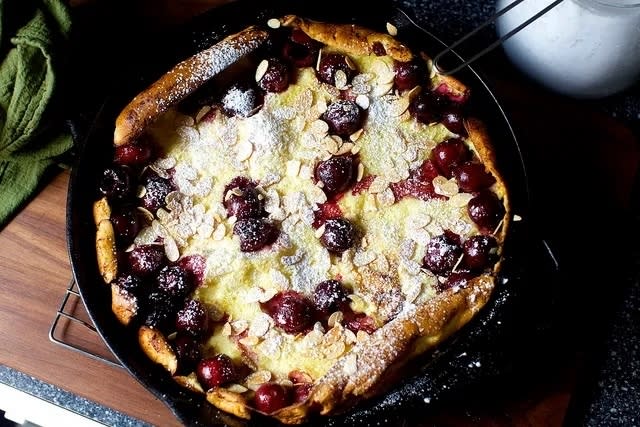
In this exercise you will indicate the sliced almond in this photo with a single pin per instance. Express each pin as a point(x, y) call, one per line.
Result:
point(363, 258)
point(354, 137)
point(363, 101)
point(319, 127)
point(386, 198)
point(398, 107)
point(273, 23)
point(249, 341)
point(352, 65)
point(444, 186)
point(321, 105)
point(239, 326)
point(391, 29)
point(320, 231)
point(202, 112)
point(350, 365)
point(171, 249)
point(226, 329)
point(237, 388)
point(318, 60)
point(293, 167)
point(378, 185)
point(256, 379)
point(262, 69)
point(360, 174)
point(219, 232)
point(340, 79)
point(259, 325)
point(335, 318)
point(335, 350)
point(245, 150)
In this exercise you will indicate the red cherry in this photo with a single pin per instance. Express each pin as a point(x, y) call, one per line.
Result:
point(339, 235)
point(408, 74)
point(486, 210)
point(472, 177)
point(335, 173)
point(193, 319)
point(301, 392)
point(134, 154)
point(442, 254)
point(359, 322)
point(329, 296)
point(216, 371)
point(458, 279)
point(290, 311)
point(146, 259)
point(330, 64)
point(343, 117)
point(479, 251)
point(276, 78)
point(255, 234)
point(270, 397)
point(448, 154)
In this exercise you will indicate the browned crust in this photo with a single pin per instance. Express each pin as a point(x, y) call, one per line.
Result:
point(123, 304)
point(155, 346)
point(351, 39)
point(182, 80)
point(190, 381)
point(229, 401)
point(479, 138)
point(106, 250)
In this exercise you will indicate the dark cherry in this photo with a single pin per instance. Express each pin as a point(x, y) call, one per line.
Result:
point(125, 225)
point(276, 78)
point(344, 117)
point(134, 154)
point(115, 183)
point(479, 251)
point(129, 282)
point(448, 154)
point(359, 322)
point(188, 352)
point(291, 311)
point(270, 397)
point(408, 74)
point(486, 210)
point(242, 100)
point(339, 235)
point(426, 108)
point(457, 279)
point(329, 296)
point(193, 319)
point(145, 260)
point(472, 177)
point(175, 281)
point(216, 371)
point(335, 173)
point(246, 205)
point(300, 49)
point(301, 392)
point(157, 189)
point(452, 120)
point(255, 234)
point(330, 63)
point(160, 310)
point(442, 254)
point(195, 265)
point(378, 49)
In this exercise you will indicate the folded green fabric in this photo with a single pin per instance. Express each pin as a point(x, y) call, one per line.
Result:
point(33, 36)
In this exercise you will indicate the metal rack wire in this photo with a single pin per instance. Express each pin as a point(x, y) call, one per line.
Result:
point(66, 316)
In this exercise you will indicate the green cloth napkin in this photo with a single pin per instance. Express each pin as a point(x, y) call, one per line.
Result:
point(33, 36)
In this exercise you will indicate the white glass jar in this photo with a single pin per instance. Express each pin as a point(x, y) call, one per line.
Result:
point(581, 48)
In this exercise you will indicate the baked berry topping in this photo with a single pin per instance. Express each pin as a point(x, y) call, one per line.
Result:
point(145, 260)
point(129, 282)
point(255, 234)
point(157, 189)
point(338, 236)
point(359, 322)
point(271, 396)
point(343, 117)
point(408, 74)
point(442, 255)
point(451, 96)
point(479, 251)
point(160, 309)
point(449, 154)
point(419, 185)
point(457, 279)
point(327, 210)
point(486, 210)
point(135, 154)
point(452, 120)
point(188, 352)
point(425, 107)
point(243, 202)
point(329, 296)
point(378, 49)
point(242, 100)
point(330, 64)
point(336, 174)
point(216, 371)
point(175, 281)
point(472, 177)
point(115, 183)
point(195, 265)
point(125, 225)
point(290, 310)
point(301, 392)
point(276, 78)
point(300, 49)
point(193, 319)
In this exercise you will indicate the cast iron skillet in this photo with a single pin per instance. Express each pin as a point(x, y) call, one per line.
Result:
point(478, 352)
